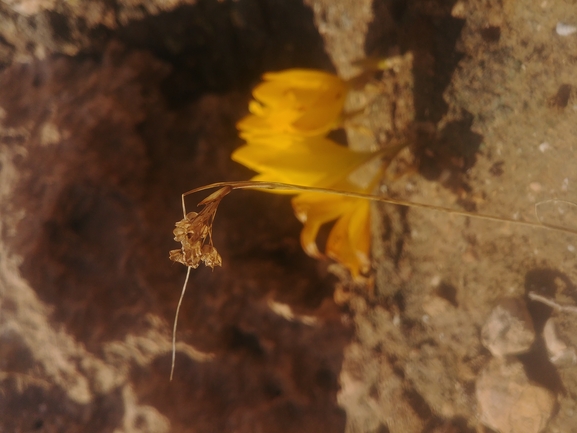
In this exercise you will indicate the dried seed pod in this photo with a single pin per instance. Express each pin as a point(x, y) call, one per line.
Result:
point(194, 232)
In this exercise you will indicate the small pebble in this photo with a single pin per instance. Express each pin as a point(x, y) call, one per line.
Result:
point(435, 306)
point(543, 147)
point(508, 329)
point(459, 10)
point(536, 186)
point(508, 402)
point(559, 354)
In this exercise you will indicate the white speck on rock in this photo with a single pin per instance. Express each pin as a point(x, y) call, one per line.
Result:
point(543, 147)
point(563, 29)
point(536, 187)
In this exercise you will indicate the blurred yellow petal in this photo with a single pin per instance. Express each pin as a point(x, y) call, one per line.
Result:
point(350, 239)
point(319, 120)
point(312, 161)
point(311, 206)
point(314, 210)
point(256, 107)
point(298, 85)
point(295, 101)
point(360, 230)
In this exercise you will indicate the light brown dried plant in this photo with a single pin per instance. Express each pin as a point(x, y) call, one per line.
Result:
point(194, 231)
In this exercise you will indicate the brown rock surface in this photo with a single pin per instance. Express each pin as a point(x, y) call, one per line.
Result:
point(110, 110)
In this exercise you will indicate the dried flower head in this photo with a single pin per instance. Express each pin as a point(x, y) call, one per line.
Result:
point(305, 102)
point(194, 232)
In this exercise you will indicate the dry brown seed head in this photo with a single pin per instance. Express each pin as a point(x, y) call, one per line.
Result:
point(210, 256)
point(194, 232)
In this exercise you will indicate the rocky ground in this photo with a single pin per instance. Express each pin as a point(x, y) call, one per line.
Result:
point(109, 110)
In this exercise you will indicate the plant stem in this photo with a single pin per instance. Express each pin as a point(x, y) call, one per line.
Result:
point(277, 185)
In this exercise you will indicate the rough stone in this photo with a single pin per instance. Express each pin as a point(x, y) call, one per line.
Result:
point(508, 402)
point(508, 329)
point(559, 353)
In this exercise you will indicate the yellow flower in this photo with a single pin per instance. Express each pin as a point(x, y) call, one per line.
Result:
point(295, 101)
point(291, 113)
point(319, 162)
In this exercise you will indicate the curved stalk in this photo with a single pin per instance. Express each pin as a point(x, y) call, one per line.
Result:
point(288, 187)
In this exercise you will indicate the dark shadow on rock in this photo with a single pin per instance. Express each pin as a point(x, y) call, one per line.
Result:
point(447, 156)
point(29, 405)
point(220, 46)
point(539, 368)
point(384, 36)
point(15, 355)
point(457, 424)
point(114, 138)
point(81, 187)
point(102, 198)
point(545, 282)
point(430, 33)
point(286, 386)
point(101, 203)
